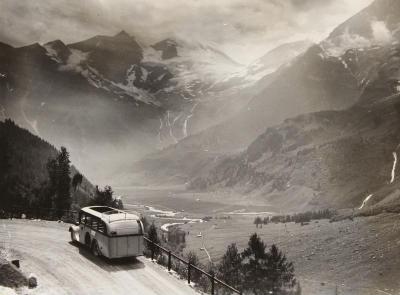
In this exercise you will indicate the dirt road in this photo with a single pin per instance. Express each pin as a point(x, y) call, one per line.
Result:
point(45, 250)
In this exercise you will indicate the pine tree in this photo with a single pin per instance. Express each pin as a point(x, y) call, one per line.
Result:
point(63, 196)
point(280, 271)
point(4, 170)
point(255, 266)
point(77, 180)
point(229, 269)
point(193, 259)
point(152, 235)
point(258, 221)
point(145, 222)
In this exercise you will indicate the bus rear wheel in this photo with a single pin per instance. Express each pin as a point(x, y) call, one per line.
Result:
point(72, 236)
point(87, 240)
point(95, 248)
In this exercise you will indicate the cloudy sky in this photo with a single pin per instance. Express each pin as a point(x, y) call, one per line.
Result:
point(244, 29)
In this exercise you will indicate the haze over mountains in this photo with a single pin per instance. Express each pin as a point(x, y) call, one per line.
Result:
point(332, 158)
point(183, 112)
point(109, 98)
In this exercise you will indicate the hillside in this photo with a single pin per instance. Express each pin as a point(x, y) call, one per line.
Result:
point(23, 158)
point(328, 85)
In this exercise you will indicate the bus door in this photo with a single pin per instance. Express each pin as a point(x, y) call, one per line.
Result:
point(84, 227)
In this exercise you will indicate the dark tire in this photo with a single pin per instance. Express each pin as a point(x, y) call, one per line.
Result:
point(87, 240)
point(72, 236)
point(95, 248)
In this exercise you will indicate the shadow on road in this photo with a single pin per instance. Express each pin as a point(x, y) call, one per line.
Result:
point(111, 265)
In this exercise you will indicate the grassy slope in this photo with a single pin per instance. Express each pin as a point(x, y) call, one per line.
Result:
point(359, 257)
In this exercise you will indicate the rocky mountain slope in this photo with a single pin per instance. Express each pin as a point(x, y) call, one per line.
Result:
point(328, 158)
point(328, 84)
point(336, 156)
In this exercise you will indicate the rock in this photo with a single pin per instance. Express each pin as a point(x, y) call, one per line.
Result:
point(32, 281)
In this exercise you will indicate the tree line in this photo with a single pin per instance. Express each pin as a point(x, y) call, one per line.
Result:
point(296, 218)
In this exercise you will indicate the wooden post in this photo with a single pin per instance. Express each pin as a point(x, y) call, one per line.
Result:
point(169, 260)
point(212, 284)
point(152, 251)
point(189, 273)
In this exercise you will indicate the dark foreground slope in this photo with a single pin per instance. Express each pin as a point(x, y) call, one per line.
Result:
point(23, 159)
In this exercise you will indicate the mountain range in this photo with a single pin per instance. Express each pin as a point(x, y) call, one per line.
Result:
point(305, 125)
point(110, 98)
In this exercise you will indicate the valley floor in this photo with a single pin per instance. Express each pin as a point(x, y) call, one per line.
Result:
point(356, 257)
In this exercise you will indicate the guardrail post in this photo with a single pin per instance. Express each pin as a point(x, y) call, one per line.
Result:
point(152, 250)
point(189, 273)
point(169, 260)
point(212, 284)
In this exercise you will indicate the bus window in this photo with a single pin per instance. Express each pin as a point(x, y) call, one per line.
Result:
point(95, 223)
point(102, 227)
point(88, 220)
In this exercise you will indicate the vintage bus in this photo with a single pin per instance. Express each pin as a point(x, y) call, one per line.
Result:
point(109, 232)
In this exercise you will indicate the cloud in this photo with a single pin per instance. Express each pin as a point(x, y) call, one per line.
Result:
point(380, 32)
point(344, 42)
point(245, 29)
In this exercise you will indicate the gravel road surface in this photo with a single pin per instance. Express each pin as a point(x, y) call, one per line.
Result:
point(61, 267)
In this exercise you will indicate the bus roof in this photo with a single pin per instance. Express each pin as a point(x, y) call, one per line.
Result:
point(109, 214)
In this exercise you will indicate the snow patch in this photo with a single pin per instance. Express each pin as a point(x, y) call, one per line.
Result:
point(165, 226)
point(162, 212)
point(185, 124)
point(136, 93)
point(52, 53)
point(145, 74)
point(170, 127)
point(131, 75)
point(152, 55)
point(393, 174)
point(365, 201)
